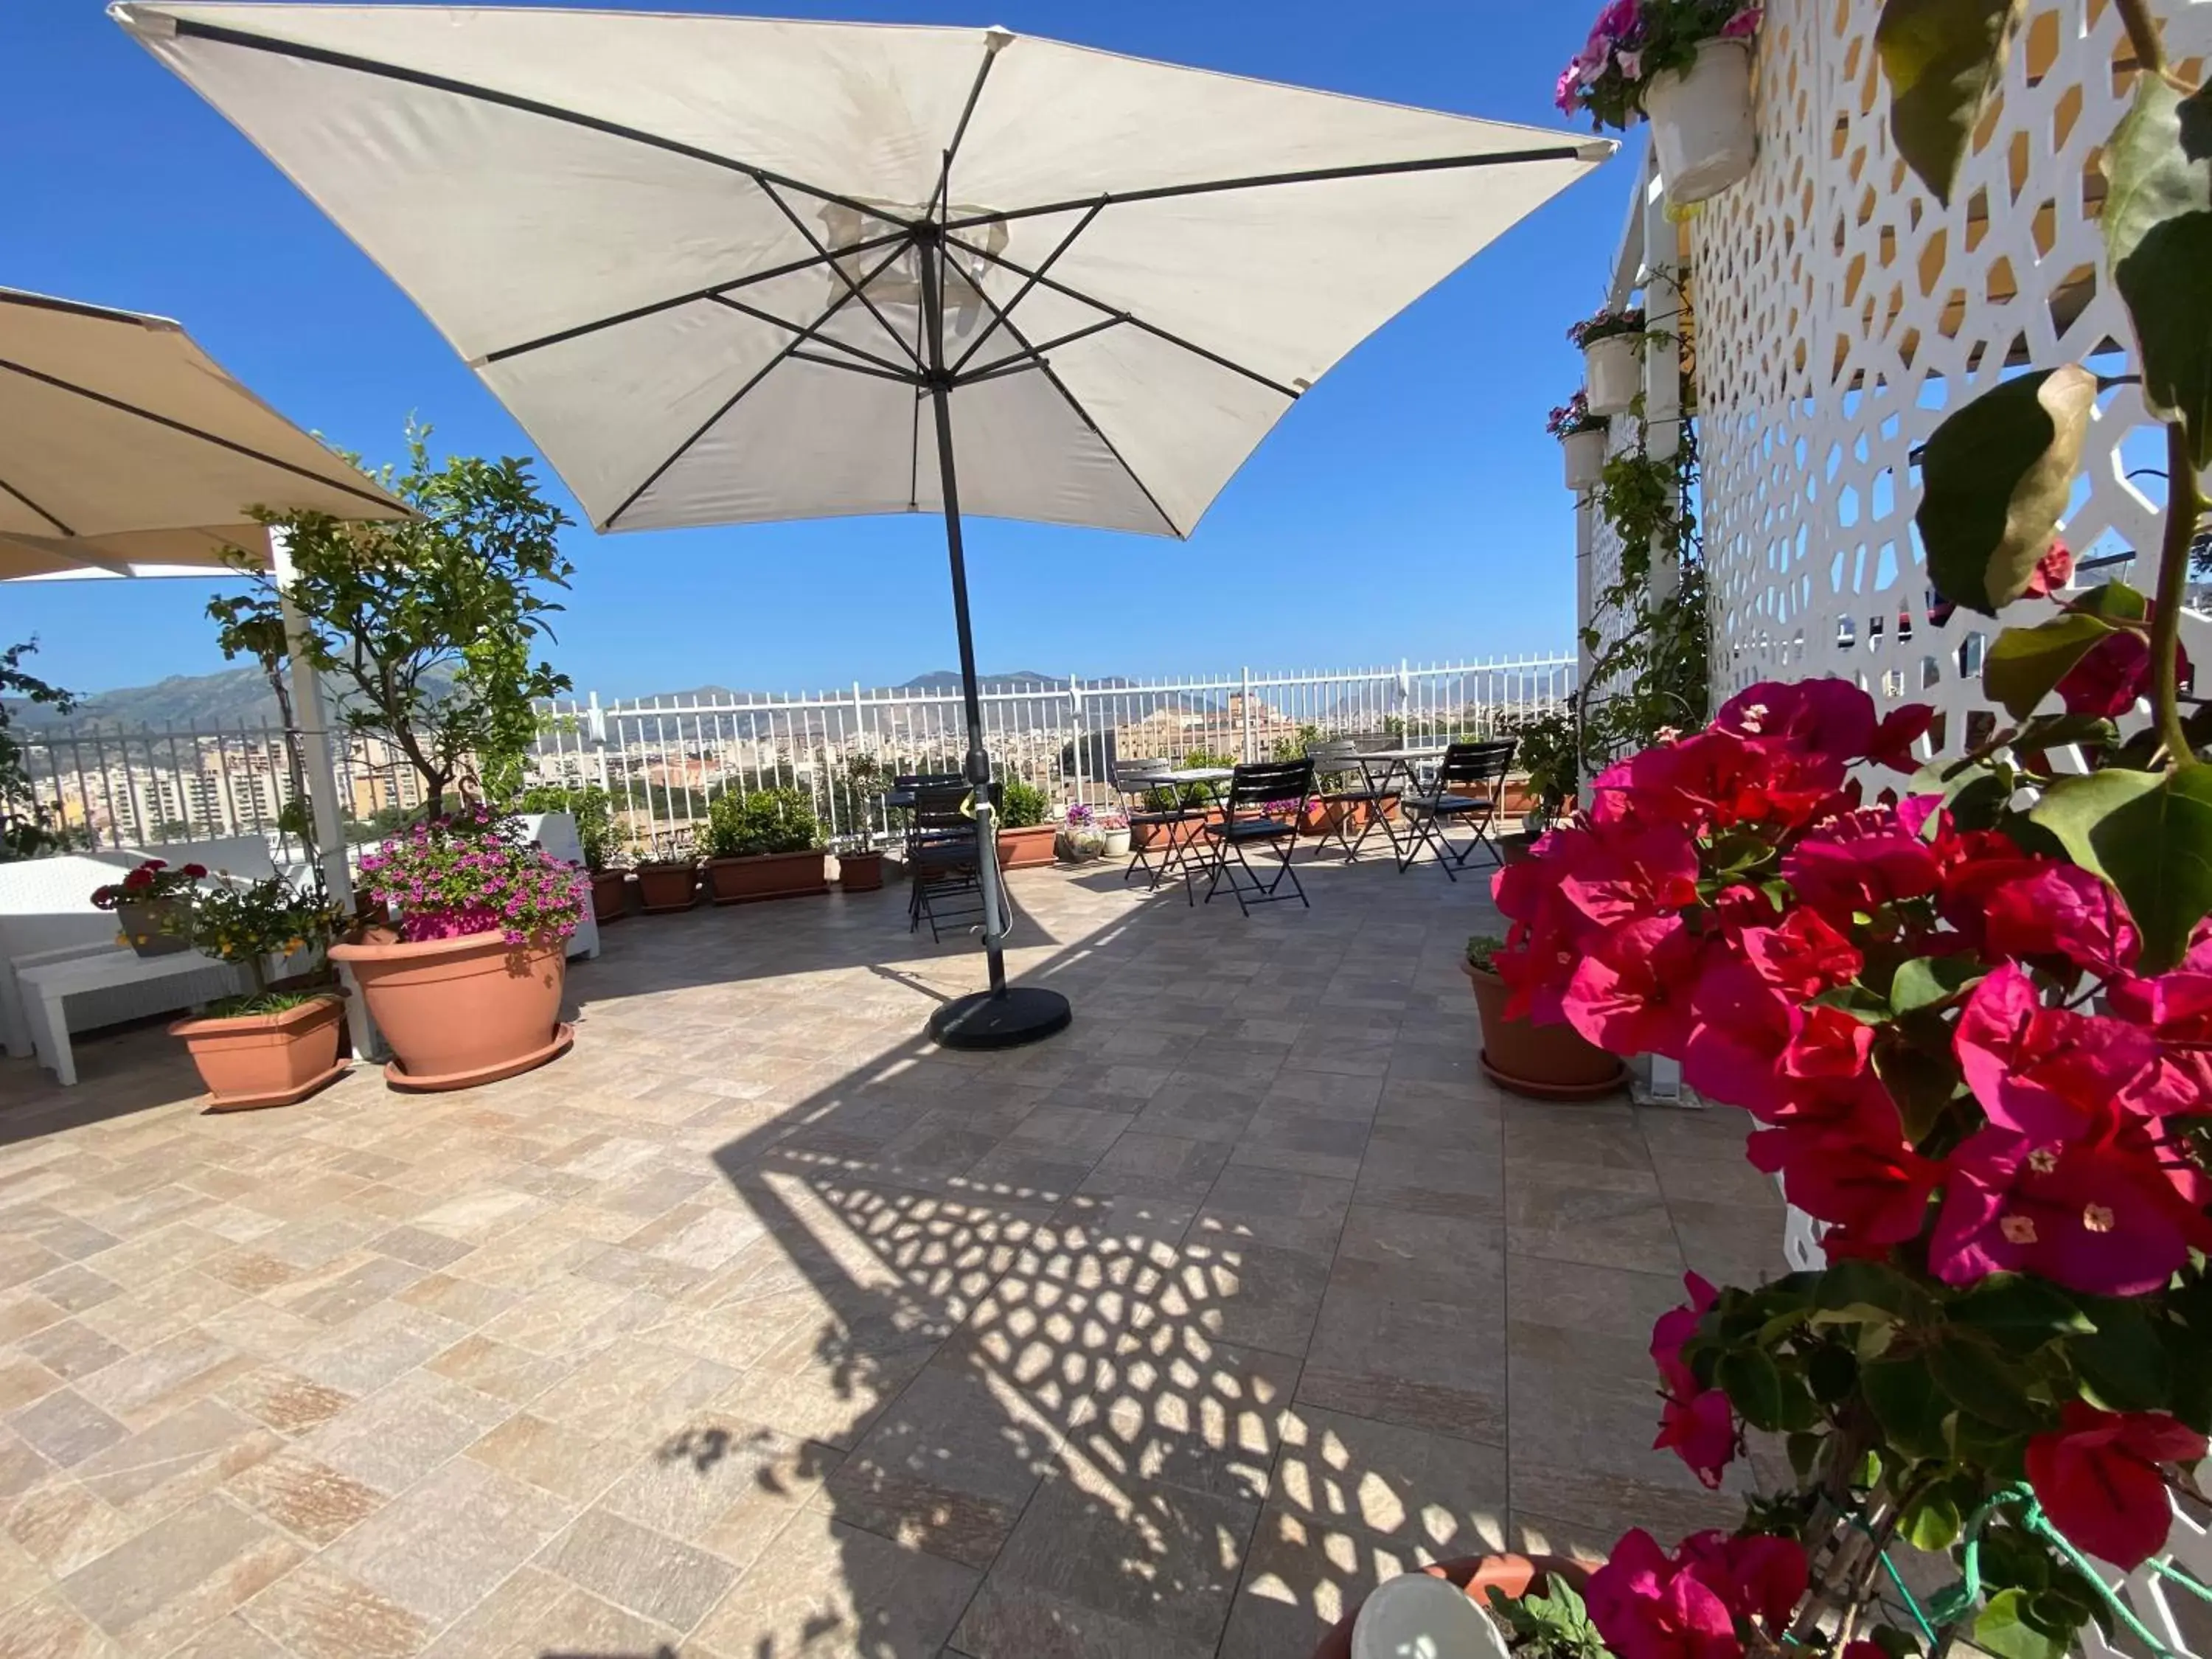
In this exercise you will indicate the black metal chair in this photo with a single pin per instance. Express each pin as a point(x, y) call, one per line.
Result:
point(1160, 822)
point(1262, 808)
point(1469, 783)
point(942, 859)
point(1354, 795)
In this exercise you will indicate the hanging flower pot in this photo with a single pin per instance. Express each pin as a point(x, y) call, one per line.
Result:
point(1701, 122)
point(1613, 367)
point(1584, 452)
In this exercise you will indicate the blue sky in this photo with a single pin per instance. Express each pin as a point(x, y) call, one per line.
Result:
point(1409, 507)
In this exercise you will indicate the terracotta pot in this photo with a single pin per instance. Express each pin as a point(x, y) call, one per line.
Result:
point(1512, 1575)
point(663, 889)
point(609, 895)
point(252, 1061)
point(1544, 1062)
point(1142, 835)
point(767, 876)
point(860, 872)
point(461, 1011)
point(144, 926)
point(1027, 847)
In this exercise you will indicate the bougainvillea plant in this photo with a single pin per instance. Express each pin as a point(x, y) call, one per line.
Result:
point(472, 873)
point(1633, 40)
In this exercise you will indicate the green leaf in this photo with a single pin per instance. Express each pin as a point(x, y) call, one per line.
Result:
point(1805, 1451)
point(2020, 1313)
point(2025, 663)
point(2158, 237)
point(2056, 731)
point(1995, 476)
point(2150, 834)
point(1943, 59)
point(2003, 1631)
point(1853, 1284)
point(1922, 1084)
point(1932, 1524)
point(1832, 1373)
point(1977, 1379)
point(1904, 1399)
point(1753, 1385)
point(2123, 1363)
point(1923, 982)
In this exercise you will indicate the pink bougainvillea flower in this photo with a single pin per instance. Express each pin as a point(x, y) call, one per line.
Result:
point(2058, 910)
point(1756, 1576)
point(1567, 96)
point(1827, 1042)
point(1631, 873)
point(2112, 676)
point(1743, 24)
point(1852, 1176)
point(1716, 778)
point(2176, 1008)
point(2099, 1478)
point(2099, 1214)
point(1701, 1431)
point(1674, 1328)
point(1830, 716)
point(1631, 994)
point(1802, 957)
point(1739, 1027)
point(1646, 1606)
point(2049, 1073)
point(1892, 740)
point(1859, 862)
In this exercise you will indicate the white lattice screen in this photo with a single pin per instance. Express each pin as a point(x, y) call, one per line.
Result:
point(1841, 311)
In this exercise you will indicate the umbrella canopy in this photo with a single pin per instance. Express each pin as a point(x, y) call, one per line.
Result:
point(125, 450)
point(682, 249)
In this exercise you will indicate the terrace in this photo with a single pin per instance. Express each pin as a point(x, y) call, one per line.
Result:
point(755, 1327)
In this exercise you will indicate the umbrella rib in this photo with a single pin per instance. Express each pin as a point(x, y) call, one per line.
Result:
point(883, 364)
point(191, 431)
point(900, 375)
point(561, 336)
point(189, 29)
point(1266, 180)
point(1081, 413)
point(960, 129)
point(838, 270)
point(765, 370)
point(1135, 321)
point(1022, 292)
point(36, 509)
point(999, 366)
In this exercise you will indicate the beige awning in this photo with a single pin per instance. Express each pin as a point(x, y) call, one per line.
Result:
point(125, 449)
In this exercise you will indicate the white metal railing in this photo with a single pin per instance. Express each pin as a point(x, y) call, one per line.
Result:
point(664, 761)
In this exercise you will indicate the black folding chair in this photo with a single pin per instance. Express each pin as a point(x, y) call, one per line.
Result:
point(1354, 795)
point(1265, 802)
point(1157, 808)
point(1469, 783)
point(942, 859)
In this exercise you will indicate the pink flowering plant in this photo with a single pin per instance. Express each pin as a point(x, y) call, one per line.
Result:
point(1633, 40)
point(1574, 417)
point(472, 873)
point(1605, 325)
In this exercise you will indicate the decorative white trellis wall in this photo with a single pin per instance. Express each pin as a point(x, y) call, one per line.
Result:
point(1842, 311)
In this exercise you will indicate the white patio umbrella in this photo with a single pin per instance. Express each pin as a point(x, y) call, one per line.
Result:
point(722, 268)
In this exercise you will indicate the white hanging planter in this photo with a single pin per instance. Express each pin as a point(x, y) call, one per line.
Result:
point(1613, 373)
point(1585, 455)
point(1701, 122)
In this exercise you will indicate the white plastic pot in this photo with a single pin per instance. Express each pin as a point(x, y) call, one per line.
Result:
point(1585, 454)
point(1417, 1616)
point(1701, 122)
point(1613, 373)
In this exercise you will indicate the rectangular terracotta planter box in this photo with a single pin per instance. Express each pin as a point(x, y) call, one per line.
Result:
point(767, 876)
point(1142, 835)
point(664, 889)
point(1027, 847)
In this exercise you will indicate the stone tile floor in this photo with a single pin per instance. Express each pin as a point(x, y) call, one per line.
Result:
point(757, 1327)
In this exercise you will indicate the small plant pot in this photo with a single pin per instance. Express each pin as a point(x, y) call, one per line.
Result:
point(1584, 456)
point(767, 875)
point(860, 872)
point(141, 925)
point(1542, 1062)
point(664, 889)
point(253, 1061)
point(462, 1011)
point(1514, 1576)
point(1079, 845)
point(609, 895)
point(1027, 847)
point(1613, 371)
point(1702, 126)
point(1117, 842)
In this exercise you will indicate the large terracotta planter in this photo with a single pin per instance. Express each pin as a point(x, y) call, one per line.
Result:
point(252, 1061)
point(860, 872)
point(1027, 847)
point(609, 895)
point(1702, 124)
point(1142, 835)
point(1512, 1575)
point(664, 888)
point(1543, 1062)
point(767, 876)
point(461, 1011)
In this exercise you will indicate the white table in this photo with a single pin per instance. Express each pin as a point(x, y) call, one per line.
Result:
point(49, 979)
point(1177, 851)
point(1392, 761)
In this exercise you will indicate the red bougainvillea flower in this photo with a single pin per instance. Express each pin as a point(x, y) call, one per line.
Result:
point(2100, 1214)
point(2112, 676)
point(1859, 862)
point(2057, 909)
point(1646, 1606)
point(2052, 572)
point(1893, 738)
point(2176, 1010)
point(2049, 1073)
point(1631, 994)
point(1701, 1431)
point(1674, 1328)
point(1740, 1026)
point(2097, 1477)
point(1801, 957)
point(1843, 1160)
point(1830, 716)
point(1629, 873)
point(1755, 1576)
point(1717, 779)
point(1827, 1042)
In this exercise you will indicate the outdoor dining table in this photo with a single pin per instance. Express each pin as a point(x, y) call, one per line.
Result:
point(1207, 778)
point(1379, 767)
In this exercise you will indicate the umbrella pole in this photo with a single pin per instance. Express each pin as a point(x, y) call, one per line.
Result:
point(1004, 1017)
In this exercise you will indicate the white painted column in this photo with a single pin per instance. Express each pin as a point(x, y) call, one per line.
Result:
point(1663, 418)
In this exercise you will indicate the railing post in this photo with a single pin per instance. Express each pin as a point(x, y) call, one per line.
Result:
point(1246, 705)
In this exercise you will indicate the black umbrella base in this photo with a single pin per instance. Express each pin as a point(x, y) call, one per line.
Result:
point(1000, 1019)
